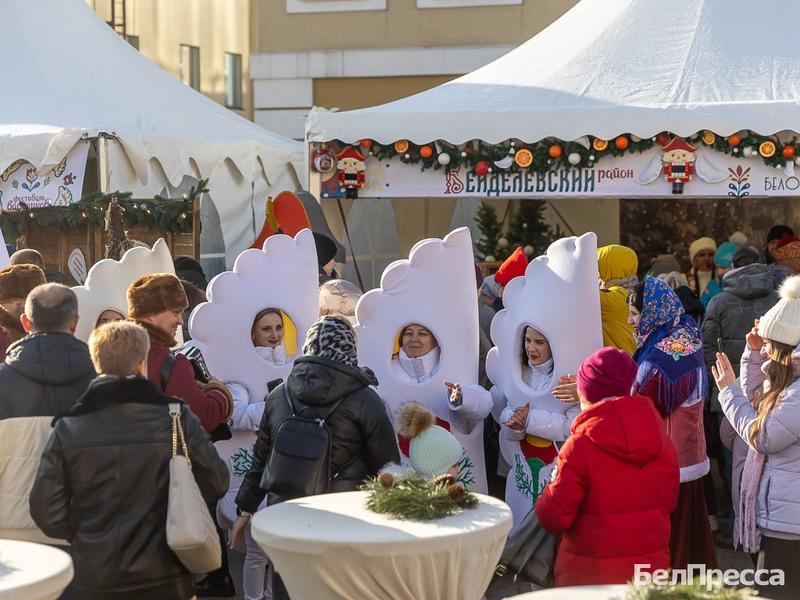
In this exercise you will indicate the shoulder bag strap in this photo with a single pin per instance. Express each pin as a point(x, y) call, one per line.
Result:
point(177, 432)
point(166, 370)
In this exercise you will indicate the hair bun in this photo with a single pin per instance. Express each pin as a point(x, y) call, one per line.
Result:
point(790, 288)
point(414, 418)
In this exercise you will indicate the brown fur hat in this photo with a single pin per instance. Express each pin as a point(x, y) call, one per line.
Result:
point(154, 294)
point(17, 281)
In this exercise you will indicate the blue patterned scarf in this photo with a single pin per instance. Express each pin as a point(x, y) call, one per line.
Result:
point(669, 350)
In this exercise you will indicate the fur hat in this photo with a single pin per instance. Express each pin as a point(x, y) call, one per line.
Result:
point(705, 243)
point(17, 281)
point(432, 449)
point(154, 294)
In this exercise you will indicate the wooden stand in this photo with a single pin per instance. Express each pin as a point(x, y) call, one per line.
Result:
point(56, 244)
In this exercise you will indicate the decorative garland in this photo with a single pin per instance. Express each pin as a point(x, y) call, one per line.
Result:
point(163, 213)
point(551, 153)
point(412, 497)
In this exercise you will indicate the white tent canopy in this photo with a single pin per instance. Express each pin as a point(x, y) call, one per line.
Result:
point(70, 76)
point(609, 67)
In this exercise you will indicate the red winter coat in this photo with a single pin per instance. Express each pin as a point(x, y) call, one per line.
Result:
point(615, 486)
point(211, 407)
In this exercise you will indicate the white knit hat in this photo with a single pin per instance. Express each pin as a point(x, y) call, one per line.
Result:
point(432, 449)
point(782, 321)
point(698, 246)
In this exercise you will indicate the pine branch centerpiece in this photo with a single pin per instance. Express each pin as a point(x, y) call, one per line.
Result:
point(411, 497)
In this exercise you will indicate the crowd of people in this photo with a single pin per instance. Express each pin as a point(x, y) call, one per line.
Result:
point(690, 412)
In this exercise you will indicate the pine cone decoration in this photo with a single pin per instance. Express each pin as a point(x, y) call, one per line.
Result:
point(386, 479)
point(456, 492)
point(115, 231)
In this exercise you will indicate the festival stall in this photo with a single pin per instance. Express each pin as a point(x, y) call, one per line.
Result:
point(91, 114)
point(618, 99)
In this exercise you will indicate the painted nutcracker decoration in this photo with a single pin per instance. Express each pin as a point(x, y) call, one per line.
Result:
point(351, 166)
point(678, 162)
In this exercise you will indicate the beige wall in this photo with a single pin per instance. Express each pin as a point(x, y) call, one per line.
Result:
point(349, 93)
point(402, 24)
point(214, 26)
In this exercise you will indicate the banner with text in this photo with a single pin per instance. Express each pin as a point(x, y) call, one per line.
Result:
point(22, 183)
point(649, 174)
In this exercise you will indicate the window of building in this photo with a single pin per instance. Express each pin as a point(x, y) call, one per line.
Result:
point(322, 6)
point(464, 3)
point(133, 40)
point(189, 66)
point(233, 80)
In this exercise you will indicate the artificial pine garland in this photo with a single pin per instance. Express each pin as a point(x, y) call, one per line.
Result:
point(689, 591)
point(162, 213)
point(411, 497)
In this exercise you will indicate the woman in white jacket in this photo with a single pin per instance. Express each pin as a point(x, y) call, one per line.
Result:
point(267, 335)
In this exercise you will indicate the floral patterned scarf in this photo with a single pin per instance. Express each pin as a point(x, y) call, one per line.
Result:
point(669, 350)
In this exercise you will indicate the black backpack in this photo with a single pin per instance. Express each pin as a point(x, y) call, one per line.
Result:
point(299, 464)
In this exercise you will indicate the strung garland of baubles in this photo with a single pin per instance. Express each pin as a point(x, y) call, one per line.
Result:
point(551, 153)
point(164, 214)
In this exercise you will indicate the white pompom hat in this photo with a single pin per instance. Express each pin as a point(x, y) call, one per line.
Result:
point(782, 321)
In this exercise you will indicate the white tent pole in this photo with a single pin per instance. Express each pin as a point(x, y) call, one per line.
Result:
point(102, 164)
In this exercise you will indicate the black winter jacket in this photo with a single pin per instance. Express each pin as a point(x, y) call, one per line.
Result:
point(103, 485)
point(363, 439)
point(47, 372)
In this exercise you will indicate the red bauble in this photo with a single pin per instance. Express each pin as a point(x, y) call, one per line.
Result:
point(554, 151)
point(426, 152)
point(365, 143)
point(662, 139)
point(734, 139)
point(621, 142)
point(482, 168)
point(788, 152)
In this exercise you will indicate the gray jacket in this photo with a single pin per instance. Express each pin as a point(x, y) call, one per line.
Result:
point(747, 293)
point(779, 489)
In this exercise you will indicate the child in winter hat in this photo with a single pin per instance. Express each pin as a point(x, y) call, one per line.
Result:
point(782, 321)
point(433, 451)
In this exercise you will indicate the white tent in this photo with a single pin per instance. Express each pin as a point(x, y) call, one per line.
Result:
point(609, 67)
point(69, 77)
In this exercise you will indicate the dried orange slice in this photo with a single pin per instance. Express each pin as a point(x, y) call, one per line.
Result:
point(401, 146)
point(523, 158)
point(600, 144)
point(708, 137)
point(767, 149)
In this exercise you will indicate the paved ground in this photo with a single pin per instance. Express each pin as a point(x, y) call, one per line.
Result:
point(505, 588)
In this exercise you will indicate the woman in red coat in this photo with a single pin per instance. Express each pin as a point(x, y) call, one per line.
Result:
point(615, 483)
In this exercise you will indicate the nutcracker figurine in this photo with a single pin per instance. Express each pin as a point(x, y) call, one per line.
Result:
point(678, 161)
point(351, 169)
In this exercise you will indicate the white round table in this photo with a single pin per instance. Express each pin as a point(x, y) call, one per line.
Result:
point(331, 547)
point(32, 571)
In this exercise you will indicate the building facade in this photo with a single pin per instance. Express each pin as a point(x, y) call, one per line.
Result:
point(357, 53)
point(204, 43)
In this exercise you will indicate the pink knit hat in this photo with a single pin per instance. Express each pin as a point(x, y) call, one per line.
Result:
point(607, 373)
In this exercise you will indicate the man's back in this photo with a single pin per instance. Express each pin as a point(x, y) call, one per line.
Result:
point(44, 374)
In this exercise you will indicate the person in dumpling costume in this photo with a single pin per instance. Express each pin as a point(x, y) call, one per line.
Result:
point(550, 324)
point(248, 333)
point(419, 333)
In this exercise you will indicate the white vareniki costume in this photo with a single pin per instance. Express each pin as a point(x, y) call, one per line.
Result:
point(107, 283)
point(559, 297)
point(282, 275)
point(415, 370)
point(434, 288)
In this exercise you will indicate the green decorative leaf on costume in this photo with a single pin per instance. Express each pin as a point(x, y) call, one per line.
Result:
point(466, 472)
point(241, 462)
